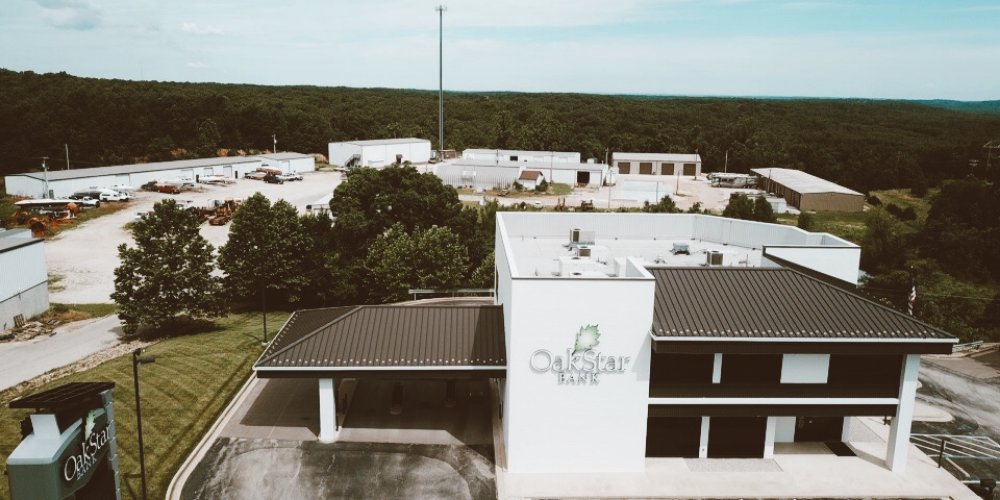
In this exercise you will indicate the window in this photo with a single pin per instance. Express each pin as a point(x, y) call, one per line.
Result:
point(751, 368)
point(646, 168)
point(681, 368)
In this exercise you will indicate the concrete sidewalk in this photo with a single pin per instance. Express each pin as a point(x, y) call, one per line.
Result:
point(797, 470)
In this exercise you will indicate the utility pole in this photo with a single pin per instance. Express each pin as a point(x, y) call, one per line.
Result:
point(67, 156)
point(441, 10)
point(275, 139)
point(46, 170)
point(726, 169)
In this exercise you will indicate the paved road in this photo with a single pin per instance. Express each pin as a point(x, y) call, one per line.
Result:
point(26, 360)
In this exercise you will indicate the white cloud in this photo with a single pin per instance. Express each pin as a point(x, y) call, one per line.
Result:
point(197, 65)
point(194, 29)
point(70, 14)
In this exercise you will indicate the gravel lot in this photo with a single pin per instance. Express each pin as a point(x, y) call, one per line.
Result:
point(86, 257)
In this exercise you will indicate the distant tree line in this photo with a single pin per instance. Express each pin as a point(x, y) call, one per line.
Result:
point(862, 144)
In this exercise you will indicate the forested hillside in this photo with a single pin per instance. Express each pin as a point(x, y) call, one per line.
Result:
point(863, 144)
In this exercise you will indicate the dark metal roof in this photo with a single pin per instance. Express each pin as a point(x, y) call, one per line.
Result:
point(65, 396)
point(302, 323)
point(392, 338)
point(768, 303)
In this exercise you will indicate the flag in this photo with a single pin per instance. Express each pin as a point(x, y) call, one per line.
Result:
point(911, 299)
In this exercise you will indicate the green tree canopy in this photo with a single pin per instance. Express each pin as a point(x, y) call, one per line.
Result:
point(428, 259)
point(264, 253)
point(167, 275)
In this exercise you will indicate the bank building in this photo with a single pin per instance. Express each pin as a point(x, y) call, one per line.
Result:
point(614, 338)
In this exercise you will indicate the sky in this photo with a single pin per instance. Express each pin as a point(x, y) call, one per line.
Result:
point(905, 49)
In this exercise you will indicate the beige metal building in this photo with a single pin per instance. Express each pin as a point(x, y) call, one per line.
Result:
point(657, 163)
point(808, 192)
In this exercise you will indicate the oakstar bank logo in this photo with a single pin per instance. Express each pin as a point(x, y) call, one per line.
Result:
point(582, 364)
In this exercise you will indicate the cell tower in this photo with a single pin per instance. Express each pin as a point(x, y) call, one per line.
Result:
point(441, 10)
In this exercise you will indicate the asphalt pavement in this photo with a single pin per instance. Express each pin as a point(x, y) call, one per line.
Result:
point(23, 361)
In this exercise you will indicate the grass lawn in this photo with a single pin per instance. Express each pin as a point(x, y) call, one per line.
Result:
point(183, 392)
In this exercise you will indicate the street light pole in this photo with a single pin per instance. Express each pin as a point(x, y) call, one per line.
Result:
point(263, 301)
point(138, 359)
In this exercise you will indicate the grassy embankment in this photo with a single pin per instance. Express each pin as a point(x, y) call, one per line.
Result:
point(183, 392)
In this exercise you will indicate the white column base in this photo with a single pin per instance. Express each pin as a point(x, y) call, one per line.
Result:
point(328, 430)
point(845, 435)
point(703, 447)
point(899, 433)
point(769, 437)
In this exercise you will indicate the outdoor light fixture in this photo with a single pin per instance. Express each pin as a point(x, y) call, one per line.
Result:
point(139, 359)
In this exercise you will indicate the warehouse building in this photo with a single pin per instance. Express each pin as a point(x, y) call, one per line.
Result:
point(63, 183)
point(380, 152)
point(24, 289)
point(501, 174)
point(808, 192)
point(657, 164)
point(288, 162)
point(651, 335)
point(513, 155)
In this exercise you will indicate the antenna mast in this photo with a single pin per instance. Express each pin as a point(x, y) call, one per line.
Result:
point(441, 10)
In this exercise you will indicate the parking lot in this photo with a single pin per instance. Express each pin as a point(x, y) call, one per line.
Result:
point(84, 259)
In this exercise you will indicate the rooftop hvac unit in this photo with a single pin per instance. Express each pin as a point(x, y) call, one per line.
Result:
point(714, 258)
point(681, 248)
point(574, 236)
point(583, 251)
point(588, 237)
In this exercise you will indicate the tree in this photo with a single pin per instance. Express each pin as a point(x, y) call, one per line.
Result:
point(762, 211)
point(806, 221)
point(666, 205)
point(739, 207)
point(264, 253)
point(882, 243)
point(432, 259)
point(168, 274)
point(372, 201)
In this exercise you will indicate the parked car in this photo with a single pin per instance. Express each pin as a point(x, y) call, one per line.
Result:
point(295, 176)
point(87, 201)
point(141, 215)
point(112, 197)
point(286, 177)
point(168, 188)
point(273, 179)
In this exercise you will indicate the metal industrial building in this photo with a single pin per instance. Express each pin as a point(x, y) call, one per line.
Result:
point(380, 152)
point(808, 192)
point(24, 289)
point(501, 174)
point(288, 162)
point(657, 163)
point(655, 336)
point(502, 155)
point(63, 183)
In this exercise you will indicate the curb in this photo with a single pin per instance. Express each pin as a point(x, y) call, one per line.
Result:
point(177, 483)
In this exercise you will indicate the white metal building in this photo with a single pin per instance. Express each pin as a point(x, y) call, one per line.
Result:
point(288, 162)
point(657, 163)
point(522, 156)
point(63, 183)
point(379, 153)
point(492, 173)
point(24, 287)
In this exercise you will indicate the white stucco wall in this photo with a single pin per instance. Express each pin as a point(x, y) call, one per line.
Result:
point(340, 152)
point(576, 427)
point(839, 262)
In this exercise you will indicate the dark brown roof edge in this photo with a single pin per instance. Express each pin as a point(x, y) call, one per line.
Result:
point(270, 357)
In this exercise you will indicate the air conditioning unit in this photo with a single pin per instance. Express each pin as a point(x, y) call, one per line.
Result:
point(588, 237)
point(715, 258)
point(574, 236)
point(583, 251)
